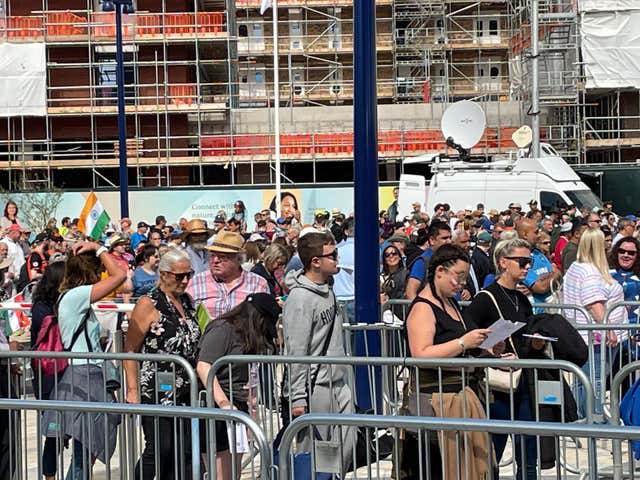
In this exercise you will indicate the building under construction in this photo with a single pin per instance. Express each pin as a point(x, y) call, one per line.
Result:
point(199, 86)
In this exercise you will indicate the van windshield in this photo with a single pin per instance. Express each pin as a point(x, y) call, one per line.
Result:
point(583, 198)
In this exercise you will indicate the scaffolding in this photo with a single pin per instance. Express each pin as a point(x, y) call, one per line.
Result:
point(561, 93)
point(192, 79)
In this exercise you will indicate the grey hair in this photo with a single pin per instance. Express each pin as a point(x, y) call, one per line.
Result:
point(274, 252)
point(457, 234)
point(508, 235)
point(506, 248)
point(171, 257)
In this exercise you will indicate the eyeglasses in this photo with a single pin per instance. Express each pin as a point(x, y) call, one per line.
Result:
point(460, 279)
point(333, 255)
point(391, 254)
point(522, 261)
point(545, 243)
point(181, 276)
point(223, 257)
point(631, 253)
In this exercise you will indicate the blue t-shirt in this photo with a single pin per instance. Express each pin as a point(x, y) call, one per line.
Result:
point(143, 281)
point(419, 267)
point(136, 238)
point(631, 286)
point(71, 312)
point(539, 268)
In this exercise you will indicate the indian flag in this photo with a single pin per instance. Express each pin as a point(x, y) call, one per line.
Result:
point(93, 217)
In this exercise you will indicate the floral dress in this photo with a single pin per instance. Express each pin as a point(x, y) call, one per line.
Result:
point(170, 334)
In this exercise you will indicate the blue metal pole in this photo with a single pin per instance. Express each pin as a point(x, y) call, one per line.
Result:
point(366, 190)
point(122, 120)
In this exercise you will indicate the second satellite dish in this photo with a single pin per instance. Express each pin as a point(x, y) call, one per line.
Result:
point(523, 136)
point(464, 122)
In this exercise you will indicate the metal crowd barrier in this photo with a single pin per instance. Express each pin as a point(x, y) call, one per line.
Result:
point(438, 424)
point(272, 408)
point(256, 437)
point(98, 306)
point(113, 380)
point(619, 471)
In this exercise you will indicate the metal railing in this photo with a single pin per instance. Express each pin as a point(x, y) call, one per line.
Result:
point(157, 411)
point(25, 360)
point(456, 425)
point(616, 387)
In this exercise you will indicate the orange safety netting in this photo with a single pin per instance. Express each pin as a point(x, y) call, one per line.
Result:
point(389, 141)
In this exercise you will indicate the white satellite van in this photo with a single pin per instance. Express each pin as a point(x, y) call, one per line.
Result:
point(462, 182)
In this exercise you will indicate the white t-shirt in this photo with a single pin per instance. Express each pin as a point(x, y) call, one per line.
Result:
point(16, 254)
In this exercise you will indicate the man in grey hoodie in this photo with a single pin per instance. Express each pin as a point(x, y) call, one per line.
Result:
point(313, 327)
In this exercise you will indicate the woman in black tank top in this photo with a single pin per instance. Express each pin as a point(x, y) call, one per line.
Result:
point(435, 328)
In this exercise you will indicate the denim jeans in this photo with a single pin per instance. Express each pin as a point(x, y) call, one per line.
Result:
point(500, 409)
point(598, 381)
point(81, 464)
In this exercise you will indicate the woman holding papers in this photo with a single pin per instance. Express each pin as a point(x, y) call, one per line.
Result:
point(503, 300)
point(163, 321)
point(435, 328)
point(248, 329)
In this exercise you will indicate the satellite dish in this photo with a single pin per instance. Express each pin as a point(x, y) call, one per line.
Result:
point(523, 136)
point(464, 122)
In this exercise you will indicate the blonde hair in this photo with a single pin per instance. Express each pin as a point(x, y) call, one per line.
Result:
point(505, 248)
point(591, 250)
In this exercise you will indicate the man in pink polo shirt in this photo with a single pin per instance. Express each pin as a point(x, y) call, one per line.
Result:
point(225, 284)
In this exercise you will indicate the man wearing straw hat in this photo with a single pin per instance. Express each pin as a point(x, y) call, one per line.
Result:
point(225, 284)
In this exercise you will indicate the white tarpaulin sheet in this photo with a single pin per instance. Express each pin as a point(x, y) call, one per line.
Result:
point(608, 5)
point(23, 80)
point(611, 48)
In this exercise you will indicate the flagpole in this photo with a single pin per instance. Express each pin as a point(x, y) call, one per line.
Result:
point(276, 101)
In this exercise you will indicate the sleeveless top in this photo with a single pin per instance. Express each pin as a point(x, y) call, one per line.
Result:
point(447, 329)
point(170, 334)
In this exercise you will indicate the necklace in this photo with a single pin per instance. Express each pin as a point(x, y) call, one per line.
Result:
point(516, 303)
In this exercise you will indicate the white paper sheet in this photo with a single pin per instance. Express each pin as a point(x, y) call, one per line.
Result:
point(242, 441)
point(541, 337)
point(500, 330)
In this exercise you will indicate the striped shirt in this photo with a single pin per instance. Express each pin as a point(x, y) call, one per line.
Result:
point(584, 285)
point(217, 298)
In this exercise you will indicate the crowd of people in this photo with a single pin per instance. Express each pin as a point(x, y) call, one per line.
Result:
point(246, 275)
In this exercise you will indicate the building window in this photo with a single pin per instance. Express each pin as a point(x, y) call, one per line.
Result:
point(106, 82)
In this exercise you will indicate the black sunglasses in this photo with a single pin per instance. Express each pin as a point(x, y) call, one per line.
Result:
point(391, 254)
point(333, 255)
point(522, 261)
point(631, 253)
point(181, 276)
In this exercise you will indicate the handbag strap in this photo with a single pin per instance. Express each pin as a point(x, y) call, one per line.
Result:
point(495, 303)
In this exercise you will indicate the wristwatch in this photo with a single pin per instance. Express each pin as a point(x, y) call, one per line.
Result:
point(461, 343)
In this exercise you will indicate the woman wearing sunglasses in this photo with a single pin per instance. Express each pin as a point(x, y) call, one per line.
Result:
point(393, 279)
point(502, 299)
point(625, 263)
point(163, 321)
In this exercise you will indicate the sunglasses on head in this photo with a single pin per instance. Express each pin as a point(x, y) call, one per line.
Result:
point(181, 276)
point(333, 255)
point(631, 253)
point(522, 261)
